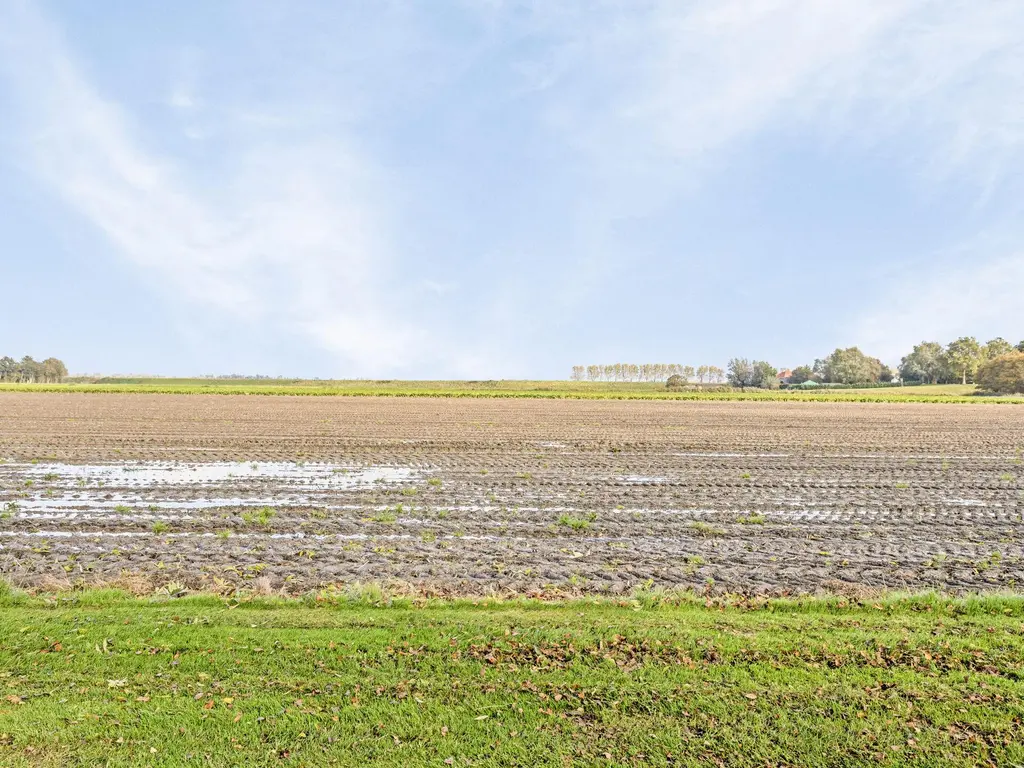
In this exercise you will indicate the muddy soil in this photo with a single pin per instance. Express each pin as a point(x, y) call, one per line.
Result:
point(475, 496)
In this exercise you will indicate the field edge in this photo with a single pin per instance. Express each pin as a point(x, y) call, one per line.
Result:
point(538, 390)
point(383, 596)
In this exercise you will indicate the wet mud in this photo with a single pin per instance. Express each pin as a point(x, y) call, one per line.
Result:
point(477, 496)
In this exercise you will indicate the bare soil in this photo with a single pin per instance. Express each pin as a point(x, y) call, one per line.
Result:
point(474, 496)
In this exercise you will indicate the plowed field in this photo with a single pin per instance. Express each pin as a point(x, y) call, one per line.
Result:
point(474, 496)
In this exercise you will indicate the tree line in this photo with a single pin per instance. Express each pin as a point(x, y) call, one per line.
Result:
point(709, 374)
point(995, 366)
point(959, 362)
point(27, 370)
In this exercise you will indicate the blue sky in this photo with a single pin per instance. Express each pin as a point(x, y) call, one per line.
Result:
point(488, 188)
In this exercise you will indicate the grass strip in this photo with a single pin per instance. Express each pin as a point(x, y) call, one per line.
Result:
point(104, 678)
point(552, 390)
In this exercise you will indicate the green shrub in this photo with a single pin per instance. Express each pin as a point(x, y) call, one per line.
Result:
point(1003, 375)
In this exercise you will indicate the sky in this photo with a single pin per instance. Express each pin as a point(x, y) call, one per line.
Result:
point(491, 188)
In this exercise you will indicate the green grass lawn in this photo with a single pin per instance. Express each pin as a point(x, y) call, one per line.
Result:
point(101, 678)
point(579, 390)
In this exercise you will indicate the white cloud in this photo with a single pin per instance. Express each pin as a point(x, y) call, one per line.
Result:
point(656, 95)
point(292, 238)
point(650, 96)
point(642, 81)
point(958, 297)
point(181, 97)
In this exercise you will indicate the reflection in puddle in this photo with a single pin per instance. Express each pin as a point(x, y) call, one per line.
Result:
point(326, 476)
point(136, 487)
point(293, 536)
point(642, 480)
point(723, 455)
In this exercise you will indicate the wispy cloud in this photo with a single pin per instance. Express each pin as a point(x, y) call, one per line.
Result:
point(657, 97)
point(292, 237)
point(639, 82)
point(966, 296)
point(296, 219)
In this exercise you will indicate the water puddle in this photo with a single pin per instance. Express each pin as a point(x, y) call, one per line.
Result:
point(157, 486)
point(243, 536)
point(319, 476)
point(720, 455)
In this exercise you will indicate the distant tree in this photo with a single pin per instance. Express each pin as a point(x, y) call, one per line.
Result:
point(8, 368)
point(688, 372)
point(702, 373)
point(851, 366)
point(741, 373)
point(675, 381)
point(964, 356)
point(1020, 347)
point(716, 374)
point(801, 374)
point(631, 372)
point(765, 376)
point(997, 347)
point(887, 374)
point(1003, 375)
point(29, 369)
point(926, 364)
point(53, 370)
